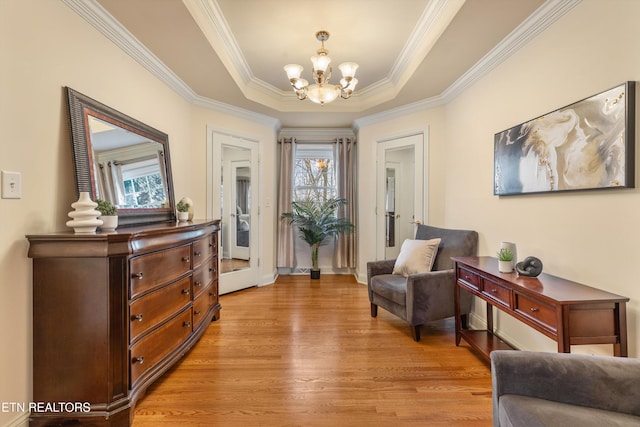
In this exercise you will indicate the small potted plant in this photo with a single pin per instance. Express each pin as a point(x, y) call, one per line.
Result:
point(183, 211)
point(108, 215)
point(505, 260)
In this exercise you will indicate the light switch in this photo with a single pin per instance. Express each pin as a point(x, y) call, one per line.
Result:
point(11, 185)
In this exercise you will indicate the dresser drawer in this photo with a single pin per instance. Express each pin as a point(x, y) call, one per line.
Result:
point(202, 250)
point(203, 276)
point(468, 278)
point(153, 270)
point(151, 349)
point(157, 306)
point(537, 311)
point(496, 292)
point(201, 308)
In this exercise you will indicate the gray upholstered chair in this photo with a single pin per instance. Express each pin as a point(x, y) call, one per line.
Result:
point(560, 389)
point(424, 297)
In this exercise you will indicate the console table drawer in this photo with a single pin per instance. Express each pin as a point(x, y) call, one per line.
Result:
point(153, 308)
point(469, 278)
point(496, 292)
point(537, 311)
point(153, 270)
point(154, 347)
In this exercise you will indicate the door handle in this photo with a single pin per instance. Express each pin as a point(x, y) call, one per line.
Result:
point(417, 222)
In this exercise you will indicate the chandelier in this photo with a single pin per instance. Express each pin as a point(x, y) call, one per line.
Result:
point(321, 92)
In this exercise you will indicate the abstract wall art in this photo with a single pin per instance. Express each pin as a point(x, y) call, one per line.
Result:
point(587, 145)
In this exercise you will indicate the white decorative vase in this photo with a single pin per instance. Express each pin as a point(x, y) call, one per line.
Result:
point(183, 216)
point(84, 216)
point(512, 249)
point(109, 222)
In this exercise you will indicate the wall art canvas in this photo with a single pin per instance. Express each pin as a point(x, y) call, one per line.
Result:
point(589, 144)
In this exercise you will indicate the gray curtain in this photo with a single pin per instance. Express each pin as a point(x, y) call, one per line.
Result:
point(242, 192)
point(345, 250)
point(285, 252)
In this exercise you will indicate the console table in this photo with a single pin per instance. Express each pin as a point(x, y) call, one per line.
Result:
point(569, 313)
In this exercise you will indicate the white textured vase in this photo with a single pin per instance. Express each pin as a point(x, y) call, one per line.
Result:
point(84, 216)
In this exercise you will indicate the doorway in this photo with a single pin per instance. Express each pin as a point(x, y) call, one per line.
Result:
point(400, 186)
point(232, 172)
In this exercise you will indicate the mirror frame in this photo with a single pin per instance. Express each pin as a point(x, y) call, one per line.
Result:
point(81, 106)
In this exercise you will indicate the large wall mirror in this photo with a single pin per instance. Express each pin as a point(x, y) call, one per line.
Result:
point(122, 160)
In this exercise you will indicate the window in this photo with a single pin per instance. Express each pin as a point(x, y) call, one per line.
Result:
point(143, 184)
point(314, 175)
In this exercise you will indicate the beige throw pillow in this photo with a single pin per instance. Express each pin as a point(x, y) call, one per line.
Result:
point(416, 256)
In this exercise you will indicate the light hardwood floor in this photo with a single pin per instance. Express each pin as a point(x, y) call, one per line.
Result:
point(308, 353)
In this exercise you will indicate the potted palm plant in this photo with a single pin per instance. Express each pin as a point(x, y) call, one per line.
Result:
point(316, 221)
point(108, 215)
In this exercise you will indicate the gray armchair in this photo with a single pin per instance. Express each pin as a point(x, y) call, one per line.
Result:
point(533, 389)
point(425, 297)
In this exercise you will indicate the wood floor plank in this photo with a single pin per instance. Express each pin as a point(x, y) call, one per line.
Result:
point(308, 353)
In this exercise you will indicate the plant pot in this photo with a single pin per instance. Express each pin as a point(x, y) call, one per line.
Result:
point(109, 222)
point(315, 274)
point(183, 216)
point(505, 266)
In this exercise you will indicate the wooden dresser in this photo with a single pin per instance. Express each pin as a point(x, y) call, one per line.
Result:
point(567, 312)
point(113, 312)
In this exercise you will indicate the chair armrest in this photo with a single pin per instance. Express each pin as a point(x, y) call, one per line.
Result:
point(430, 296)
point(376, 268)
point(609, 383)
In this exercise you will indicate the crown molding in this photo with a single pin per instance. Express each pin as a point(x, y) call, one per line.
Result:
point(540, 20)
point(433, 21)
point(93, 13)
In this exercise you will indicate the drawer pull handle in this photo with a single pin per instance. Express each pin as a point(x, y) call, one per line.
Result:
point(138, 317)
point(138, 360)
point(185, 291)
point(185, 259)
point(494, 290)
point(198, 283)
point(137, 275)
point(197, 313)
point(534, 310)
point(213, 294)
point(186, 324)
point(197, 253)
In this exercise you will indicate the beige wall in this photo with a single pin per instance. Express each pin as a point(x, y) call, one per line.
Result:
point(585, 236)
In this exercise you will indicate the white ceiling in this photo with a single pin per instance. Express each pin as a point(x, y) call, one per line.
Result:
point(409, 51)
